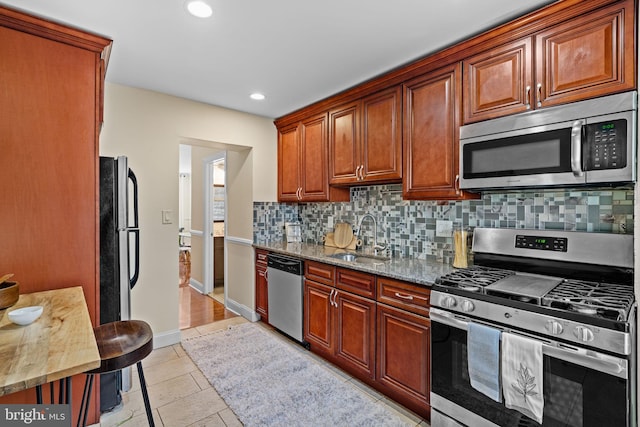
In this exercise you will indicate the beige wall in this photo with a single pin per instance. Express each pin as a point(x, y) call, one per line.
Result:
point(148, 127)
point(240, 230)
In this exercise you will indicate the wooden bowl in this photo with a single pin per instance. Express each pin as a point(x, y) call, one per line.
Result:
point(9, 294)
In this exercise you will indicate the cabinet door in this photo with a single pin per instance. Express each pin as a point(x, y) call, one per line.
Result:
point(262, 302)
point(431, 123)
point(344, 144)
point(314, 159)
point(589, 56)
point(403, 358)
point(498, 82)
point(382, 136)
point(355, 334)
point(318, 318)
point(288, 164)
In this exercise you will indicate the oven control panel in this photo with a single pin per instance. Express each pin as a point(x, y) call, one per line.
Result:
point(557, 244)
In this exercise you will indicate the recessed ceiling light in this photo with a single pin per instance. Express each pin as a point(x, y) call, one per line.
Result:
point(257, 96)
point(199, 8)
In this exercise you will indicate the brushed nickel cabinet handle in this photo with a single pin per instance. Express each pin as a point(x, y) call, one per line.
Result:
point(528, 98)
point(539, 104)
point(404, 296)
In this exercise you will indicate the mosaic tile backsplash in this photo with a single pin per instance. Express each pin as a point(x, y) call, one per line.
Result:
point(409, 227)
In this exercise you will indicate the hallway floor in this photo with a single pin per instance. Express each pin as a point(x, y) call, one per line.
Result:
point(197, 309)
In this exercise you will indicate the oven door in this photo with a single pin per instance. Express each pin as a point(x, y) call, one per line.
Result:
point(581, 388)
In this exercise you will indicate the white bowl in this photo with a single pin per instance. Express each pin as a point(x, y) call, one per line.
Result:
point(26, 315)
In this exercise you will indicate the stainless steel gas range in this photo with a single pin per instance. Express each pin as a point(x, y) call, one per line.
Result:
point(539, 331)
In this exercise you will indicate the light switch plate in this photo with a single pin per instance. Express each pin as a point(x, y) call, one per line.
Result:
point(167, 216)
point(444, 228)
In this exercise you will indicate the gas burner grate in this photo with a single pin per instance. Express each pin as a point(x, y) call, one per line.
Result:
point(611, 301)
point(473, 279)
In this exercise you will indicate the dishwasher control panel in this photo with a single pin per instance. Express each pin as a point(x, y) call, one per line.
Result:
point(286, 263)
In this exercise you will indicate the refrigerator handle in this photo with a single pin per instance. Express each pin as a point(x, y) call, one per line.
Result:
point(135, 230)
point(136, 271)
point(134, 181)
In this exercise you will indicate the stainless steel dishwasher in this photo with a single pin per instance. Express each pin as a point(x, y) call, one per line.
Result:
point(285, 294)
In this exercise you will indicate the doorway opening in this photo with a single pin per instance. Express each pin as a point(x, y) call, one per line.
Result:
point(201, 220)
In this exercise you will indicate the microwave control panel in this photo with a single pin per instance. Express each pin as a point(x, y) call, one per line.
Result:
point(605, 145)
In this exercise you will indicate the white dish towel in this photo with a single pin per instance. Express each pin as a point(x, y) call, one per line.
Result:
point(522, 375)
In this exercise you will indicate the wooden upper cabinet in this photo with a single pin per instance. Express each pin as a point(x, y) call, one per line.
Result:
point(431, 122)
point(344, 144)
point(302, 163)
point(382, 136)
point(313, 173)
point(289, 164)
point(498, 82)
point(584, 57)
point(365, 139)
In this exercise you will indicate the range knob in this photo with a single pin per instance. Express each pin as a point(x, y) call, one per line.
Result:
point(583, 333)
point(467, 306)
point(554, 327)
point(448, 302)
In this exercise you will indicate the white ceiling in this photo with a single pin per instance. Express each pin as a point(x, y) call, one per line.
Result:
point(296, 52)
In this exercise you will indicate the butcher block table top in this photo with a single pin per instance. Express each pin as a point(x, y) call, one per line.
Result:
point(59, 344)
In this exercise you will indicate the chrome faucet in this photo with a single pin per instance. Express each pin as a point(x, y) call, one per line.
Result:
point(376, 247)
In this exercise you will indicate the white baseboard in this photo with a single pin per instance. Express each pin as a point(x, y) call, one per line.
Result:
point(165, 339)
point(196, 285)
point(242, 310)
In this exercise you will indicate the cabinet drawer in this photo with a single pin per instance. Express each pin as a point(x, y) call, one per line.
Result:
point(404, 295)
point(318, 272)
point(261, 256)
point(362, 284)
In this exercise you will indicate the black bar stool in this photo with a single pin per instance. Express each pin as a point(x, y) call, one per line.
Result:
point(121, 344)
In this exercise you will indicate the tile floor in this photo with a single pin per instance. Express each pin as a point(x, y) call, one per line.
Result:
point(181, 396)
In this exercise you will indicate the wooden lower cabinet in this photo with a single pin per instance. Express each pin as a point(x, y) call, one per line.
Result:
point(383, 340)
point(262, 286)
point(340, 326)
point(355, 334)
point(318, 317)
point(403, 358)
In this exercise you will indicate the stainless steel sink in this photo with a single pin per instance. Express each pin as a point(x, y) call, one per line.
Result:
point(345, 257)
point(364, 259)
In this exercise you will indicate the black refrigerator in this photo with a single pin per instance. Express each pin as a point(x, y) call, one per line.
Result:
point(119, 259)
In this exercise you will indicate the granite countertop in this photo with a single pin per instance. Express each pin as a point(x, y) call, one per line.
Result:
point(408, 269)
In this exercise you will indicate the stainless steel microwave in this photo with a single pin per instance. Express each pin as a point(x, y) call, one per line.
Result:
point(589, 142)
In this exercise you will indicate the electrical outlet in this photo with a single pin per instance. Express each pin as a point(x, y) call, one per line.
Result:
point(444, 228)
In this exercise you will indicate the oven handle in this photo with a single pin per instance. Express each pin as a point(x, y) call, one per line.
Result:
point(605, 363)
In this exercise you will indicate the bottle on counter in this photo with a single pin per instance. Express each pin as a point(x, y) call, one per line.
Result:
point(461, 245)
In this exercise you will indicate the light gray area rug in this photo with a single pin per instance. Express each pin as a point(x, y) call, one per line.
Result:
point(266, 382)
